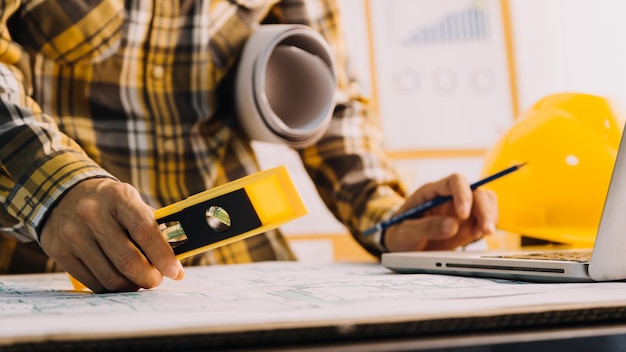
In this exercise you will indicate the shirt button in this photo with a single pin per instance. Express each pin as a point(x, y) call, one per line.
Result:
point(169, 145)
point(158, 72)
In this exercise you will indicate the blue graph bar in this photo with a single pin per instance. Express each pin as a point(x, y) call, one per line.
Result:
point(468, 24)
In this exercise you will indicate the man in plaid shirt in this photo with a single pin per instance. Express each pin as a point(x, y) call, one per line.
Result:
point(111, 108)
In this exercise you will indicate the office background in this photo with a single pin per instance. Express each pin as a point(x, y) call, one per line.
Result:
point(449, 77)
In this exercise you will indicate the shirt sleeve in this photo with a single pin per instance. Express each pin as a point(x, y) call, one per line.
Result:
point(353, 176)
point(38, 163)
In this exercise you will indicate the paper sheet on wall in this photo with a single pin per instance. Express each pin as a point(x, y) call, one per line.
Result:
point(442, 73)
point(236, 297)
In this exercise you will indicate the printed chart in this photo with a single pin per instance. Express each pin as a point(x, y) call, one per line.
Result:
point(442, 73)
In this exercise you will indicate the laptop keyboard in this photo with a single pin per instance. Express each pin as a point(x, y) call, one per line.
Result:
point(582, 256)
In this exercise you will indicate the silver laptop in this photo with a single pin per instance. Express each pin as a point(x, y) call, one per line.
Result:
point(605, 262)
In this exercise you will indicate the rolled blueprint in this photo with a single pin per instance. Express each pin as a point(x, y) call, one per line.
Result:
point(285, 85)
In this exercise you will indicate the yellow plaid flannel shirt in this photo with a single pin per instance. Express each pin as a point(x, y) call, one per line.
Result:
point(140, 91)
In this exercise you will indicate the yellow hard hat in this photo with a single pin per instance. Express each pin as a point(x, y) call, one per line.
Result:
point(570, 142)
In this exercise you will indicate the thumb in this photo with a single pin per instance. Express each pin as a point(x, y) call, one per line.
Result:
point(414, 234)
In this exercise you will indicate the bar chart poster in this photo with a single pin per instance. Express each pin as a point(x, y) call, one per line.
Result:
point(442, 73)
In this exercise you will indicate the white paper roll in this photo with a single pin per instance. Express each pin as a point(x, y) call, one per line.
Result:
point(285, 85)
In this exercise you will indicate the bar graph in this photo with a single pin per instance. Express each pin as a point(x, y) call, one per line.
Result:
point(467, 24)
point(442, 74)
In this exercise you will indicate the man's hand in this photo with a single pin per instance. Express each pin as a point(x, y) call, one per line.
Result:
point(96, 231)
point(467, 218)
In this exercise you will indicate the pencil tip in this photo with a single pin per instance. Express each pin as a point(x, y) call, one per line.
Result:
point(521, 164)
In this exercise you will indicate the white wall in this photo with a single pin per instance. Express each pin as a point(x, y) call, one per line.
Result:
point(569, 45)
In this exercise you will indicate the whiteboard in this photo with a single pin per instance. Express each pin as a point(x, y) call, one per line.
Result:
point(442, 73)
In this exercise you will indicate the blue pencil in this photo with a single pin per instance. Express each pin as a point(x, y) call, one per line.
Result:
point(413, 212)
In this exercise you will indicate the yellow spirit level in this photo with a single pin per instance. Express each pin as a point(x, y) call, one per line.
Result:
point(231, 212)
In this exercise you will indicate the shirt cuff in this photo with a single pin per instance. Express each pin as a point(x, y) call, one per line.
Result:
point(379, 209)
point(379, 240)
point(38, 192)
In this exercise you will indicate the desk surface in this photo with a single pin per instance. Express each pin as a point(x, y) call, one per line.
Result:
point(284, 304)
